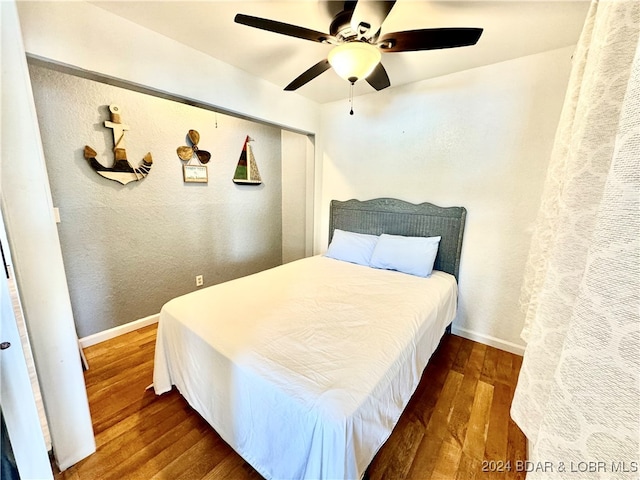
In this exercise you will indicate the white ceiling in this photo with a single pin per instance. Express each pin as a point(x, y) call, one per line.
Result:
point(512, 29)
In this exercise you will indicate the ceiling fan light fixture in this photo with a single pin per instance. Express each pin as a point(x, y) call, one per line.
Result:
point(354, 61)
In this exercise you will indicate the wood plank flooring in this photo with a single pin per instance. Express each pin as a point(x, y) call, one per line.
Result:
point(456, 426)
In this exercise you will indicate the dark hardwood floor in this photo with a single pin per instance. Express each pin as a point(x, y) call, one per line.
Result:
point(457, 425)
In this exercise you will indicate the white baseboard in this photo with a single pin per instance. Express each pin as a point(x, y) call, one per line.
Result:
point(488, 340)
point(119, 330)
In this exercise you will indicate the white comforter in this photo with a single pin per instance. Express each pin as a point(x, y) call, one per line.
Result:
point(304, 369)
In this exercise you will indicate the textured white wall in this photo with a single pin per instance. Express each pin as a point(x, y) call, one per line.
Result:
point(129, 249)
point(479, 139)
point(296, 169)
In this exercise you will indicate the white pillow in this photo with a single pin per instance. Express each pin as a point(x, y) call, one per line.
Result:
point(412, 255)
point(352, 247)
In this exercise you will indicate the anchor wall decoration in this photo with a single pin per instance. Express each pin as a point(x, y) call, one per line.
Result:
point(121, 171)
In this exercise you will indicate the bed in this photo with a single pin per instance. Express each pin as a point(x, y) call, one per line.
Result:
point(304, 369)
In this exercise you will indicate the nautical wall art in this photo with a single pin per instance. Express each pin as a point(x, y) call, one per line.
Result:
point(247, 168)
point(194, 173)
point(121, 171)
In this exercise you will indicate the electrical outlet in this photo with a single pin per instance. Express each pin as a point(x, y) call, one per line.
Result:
point(199, 280)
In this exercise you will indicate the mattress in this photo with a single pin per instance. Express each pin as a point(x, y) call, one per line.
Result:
point(304, 369)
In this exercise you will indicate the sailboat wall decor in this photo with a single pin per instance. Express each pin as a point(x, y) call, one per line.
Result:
point(247, 170)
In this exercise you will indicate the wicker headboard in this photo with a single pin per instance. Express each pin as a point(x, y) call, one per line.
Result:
point(397, 217)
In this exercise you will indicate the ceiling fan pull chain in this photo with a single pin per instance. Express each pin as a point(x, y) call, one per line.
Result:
point(351, 98)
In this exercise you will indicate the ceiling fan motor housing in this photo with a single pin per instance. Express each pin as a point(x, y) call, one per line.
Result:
point(341, 29)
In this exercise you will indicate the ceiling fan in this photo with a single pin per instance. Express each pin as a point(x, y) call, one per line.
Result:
point(355, 33)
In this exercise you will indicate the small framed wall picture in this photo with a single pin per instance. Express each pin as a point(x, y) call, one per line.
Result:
point(195, 173)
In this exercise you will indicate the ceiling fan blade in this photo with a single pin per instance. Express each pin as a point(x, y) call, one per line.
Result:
point(320, 67)
point(429, 39)
point(379, 78)
point(283, 28)
point(368, 16)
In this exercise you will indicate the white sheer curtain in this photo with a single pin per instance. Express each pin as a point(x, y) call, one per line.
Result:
point(578, 395)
